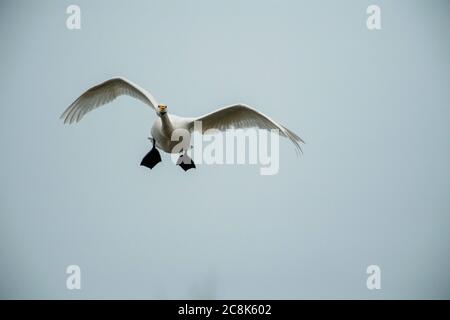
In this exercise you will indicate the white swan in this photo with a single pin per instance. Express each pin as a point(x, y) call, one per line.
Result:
point(233, 116)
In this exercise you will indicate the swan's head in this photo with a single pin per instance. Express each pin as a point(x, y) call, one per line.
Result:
point(162, 109)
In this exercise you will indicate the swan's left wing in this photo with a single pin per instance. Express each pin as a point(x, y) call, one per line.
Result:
point(104, 93)
point(242, 116)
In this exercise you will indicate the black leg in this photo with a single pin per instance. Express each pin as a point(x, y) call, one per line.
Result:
point(185, 162)
point(152, 158)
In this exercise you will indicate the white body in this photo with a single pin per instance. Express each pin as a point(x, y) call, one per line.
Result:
point(163, 128)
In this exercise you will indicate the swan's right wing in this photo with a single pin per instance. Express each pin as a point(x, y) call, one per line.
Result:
point(243, 116)
point(103, 93)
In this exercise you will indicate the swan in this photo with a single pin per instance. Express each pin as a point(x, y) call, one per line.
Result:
point(232, 116)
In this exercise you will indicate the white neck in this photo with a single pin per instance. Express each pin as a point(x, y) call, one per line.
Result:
point(167, 127)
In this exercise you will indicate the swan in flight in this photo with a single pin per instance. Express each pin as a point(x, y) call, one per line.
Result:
point(233, 116)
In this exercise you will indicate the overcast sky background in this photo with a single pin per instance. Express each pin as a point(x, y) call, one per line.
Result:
point(372, 186)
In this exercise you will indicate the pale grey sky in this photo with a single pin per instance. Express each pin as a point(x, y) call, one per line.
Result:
point(372, 186)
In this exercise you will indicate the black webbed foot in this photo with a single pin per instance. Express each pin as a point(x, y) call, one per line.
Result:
point(185, 162)
point(152, 158)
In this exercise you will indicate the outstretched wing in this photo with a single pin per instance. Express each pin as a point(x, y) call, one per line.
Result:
point(103, 93)
point(243, 116)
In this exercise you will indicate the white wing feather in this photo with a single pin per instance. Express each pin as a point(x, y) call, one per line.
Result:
point(102, 94)
point(242, 116)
